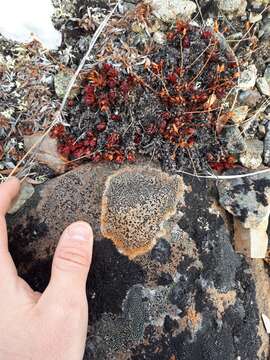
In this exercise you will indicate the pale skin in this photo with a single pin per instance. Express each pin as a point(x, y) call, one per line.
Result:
point(52, 325)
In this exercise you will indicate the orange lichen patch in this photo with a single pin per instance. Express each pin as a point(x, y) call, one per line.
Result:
point(192, 320)
point(135, 203)
point(221, 300)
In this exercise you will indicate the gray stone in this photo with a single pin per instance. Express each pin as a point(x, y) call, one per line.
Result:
point(169, 10)
point(267, 74)
point(61, 83)
point(250, 128)
point(250, 97)
point(261, 131)
point(253, 18)
point(233, 140)
point(252, 157)
point(265, 30)
point(240, 114)
point(248, 78)
point(246, 198)
point(266, 152)
point(46, 151)
point(233, 6)
point(160, 38)
point(263, 86)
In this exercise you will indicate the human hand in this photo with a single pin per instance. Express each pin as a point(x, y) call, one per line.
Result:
point(52, 325)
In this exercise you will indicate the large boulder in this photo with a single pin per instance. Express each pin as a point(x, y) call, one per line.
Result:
point(188, 296)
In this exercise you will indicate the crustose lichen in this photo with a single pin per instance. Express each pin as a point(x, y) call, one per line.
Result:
point(135, 204)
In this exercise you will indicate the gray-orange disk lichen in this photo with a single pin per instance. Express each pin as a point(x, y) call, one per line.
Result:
point(135, 204)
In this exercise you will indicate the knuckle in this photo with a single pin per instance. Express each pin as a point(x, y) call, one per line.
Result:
point(73, 256)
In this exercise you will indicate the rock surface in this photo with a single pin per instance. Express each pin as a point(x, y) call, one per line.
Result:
point(240, 114)
point(247, 199)
point(248, 78)
point(234, 140)
point(191, 297)
point(46, 151)
point(266, 152)
point(61, 83)
point(27, 190)
point(263, 86)
point(249, 97)
point(169, 10)
point(232, 6)
point(252, 158)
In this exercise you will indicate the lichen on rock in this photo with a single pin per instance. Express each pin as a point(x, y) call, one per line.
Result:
point(135, 204)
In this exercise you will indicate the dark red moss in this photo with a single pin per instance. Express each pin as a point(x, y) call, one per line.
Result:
point(163, 108)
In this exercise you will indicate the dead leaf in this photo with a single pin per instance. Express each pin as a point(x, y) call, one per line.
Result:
point(47, 152)
point(210, 102)
point(222, 121)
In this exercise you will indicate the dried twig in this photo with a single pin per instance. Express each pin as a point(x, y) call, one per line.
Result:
point(224, 177)
point(252, 26)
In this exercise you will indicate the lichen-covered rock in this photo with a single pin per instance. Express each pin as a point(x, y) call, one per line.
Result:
point(183, 300)
point(233, 140)
point(247, 198)
point(135, 205)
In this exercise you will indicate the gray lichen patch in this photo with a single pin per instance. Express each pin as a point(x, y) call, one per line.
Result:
point(118, 332)
point(141, 307)
point(163, 260)
point(135, 204)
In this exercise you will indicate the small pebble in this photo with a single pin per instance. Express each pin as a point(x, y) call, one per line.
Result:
point(170, 10)
point(160, 38)
point(252, 157)
point(234, 141)
point(250, 97)
point(248, 78)
point(263, 86)
point(267, 74)
point(233, 6)
point(253, 18)
point(261, 131)
point(265, 30)
point(240, 114)
point(266, 151)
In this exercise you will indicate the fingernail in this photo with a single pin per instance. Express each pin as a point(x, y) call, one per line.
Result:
point(79, 231)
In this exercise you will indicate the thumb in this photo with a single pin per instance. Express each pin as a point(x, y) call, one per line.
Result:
point(72, 261)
